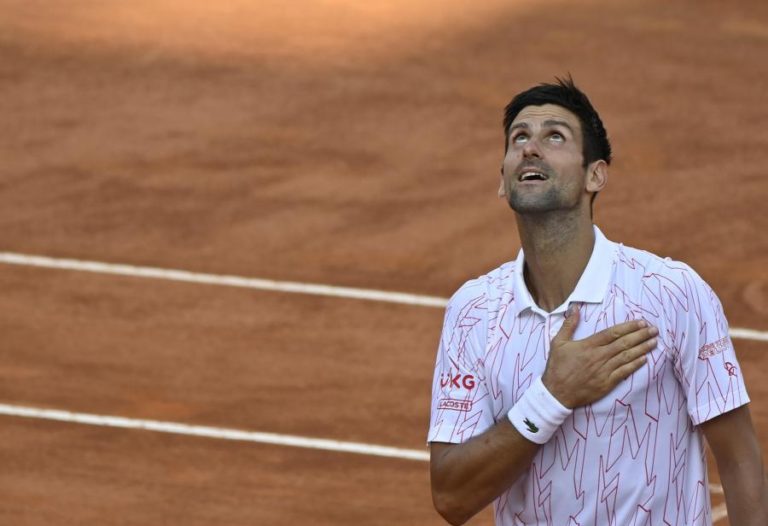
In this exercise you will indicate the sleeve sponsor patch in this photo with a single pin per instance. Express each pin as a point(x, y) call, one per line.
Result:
point(457, 381)
point(454, 405)
point(712, 349)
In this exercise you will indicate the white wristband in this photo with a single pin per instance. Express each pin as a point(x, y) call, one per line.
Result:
point(538, 414)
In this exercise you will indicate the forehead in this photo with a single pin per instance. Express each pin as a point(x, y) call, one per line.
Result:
point(535, 115)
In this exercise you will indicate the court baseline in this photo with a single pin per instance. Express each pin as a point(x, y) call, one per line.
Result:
point(221, 433)
point(404, 298)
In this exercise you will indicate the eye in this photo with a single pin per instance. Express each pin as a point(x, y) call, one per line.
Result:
point(556, 137)
point(520, 138)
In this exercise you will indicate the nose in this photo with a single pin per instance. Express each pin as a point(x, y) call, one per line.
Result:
point(531, 148)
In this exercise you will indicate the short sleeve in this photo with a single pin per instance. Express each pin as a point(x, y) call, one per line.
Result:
point(461, 407)
point(703, 354)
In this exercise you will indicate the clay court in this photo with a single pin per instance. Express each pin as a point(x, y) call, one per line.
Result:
point(339, 143)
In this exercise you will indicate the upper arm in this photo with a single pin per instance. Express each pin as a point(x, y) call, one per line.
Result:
point(437, 452)
point(697, 336)
point(731, 437)
point(461, 406)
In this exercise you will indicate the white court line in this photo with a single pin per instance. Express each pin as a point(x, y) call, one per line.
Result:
point(220, 433)
point(226, 280)
point(404, 298)
point(748, 334)
point(177, 428)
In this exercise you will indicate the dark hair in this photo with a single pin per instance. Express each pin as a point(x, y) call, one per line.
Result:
point(565, 94)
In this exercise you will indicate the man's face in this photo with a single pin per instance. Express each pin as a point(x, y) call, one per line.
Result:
point(543, 169)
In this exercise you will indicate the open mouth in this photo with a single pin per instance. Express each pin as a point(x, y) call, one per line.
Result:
point(532, 175)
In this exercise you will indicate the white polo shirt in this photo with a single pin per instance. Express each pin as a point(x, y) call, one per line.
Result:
point(633, 457)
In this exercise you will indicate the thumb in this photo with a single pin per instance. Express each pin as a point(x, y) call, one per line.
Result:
point(568, 328)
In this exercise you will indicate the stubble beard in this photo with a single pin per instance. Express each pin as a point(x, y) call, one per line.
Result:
point(539, 202)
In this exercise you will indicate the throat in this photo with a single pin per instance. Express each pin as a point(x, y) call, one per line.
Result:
point(554, 262)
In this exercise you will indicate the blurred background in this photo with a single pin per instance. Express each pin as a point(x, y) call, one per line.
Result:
point(333, 142)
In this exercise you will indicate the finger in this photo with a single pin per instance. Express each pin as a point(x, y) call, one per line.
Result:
point(624, 372)
point(630, 340)
point(630, 355)
point(567, 330)
point(607, 336)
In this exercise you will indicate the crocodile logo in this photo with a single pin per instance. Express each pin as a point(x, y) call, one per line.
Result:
point(531, 426)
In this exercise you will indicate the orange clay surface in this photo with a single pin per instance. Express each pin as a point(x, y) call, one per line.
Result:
point(340, 142)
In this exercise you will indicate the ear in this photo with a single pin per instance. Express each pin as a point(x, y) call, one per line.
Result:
point(597, 176)
point(502, 192)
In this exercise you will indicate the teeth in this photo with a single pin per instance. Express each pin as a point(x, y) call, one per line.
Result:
point(532, 175)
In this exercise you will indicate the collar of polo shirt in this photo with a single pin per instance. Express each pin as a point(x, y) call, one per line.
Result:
point(591, 288)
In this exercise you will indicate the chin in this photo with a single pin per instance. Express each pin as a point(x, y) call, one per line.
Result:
point(534, 206)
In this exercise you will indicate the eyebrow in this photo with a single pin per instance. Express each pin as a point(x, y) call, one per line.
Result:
point(548, 122)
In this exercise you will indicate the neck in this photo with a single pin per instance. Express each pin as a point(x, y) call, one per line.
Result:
point(557, 248)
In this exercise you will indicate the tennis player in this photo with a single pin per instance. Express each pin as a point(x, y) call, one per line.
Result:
point(577, 384)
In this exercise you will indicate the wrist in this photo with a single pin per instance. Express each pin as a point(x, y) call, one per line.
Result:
point(560, 397)
point(537, 415)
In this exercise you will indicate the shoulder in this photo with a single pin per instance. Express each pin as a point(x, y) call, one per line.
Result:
point(662, 278)
point(645, 264)
point(483, 292)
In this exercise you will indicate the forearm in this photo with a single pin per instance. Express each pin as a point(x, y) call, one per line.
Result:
point(467, 477)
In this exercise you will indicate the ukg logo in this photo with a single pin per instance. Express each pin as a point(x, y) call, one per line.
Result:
point(457, 381)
